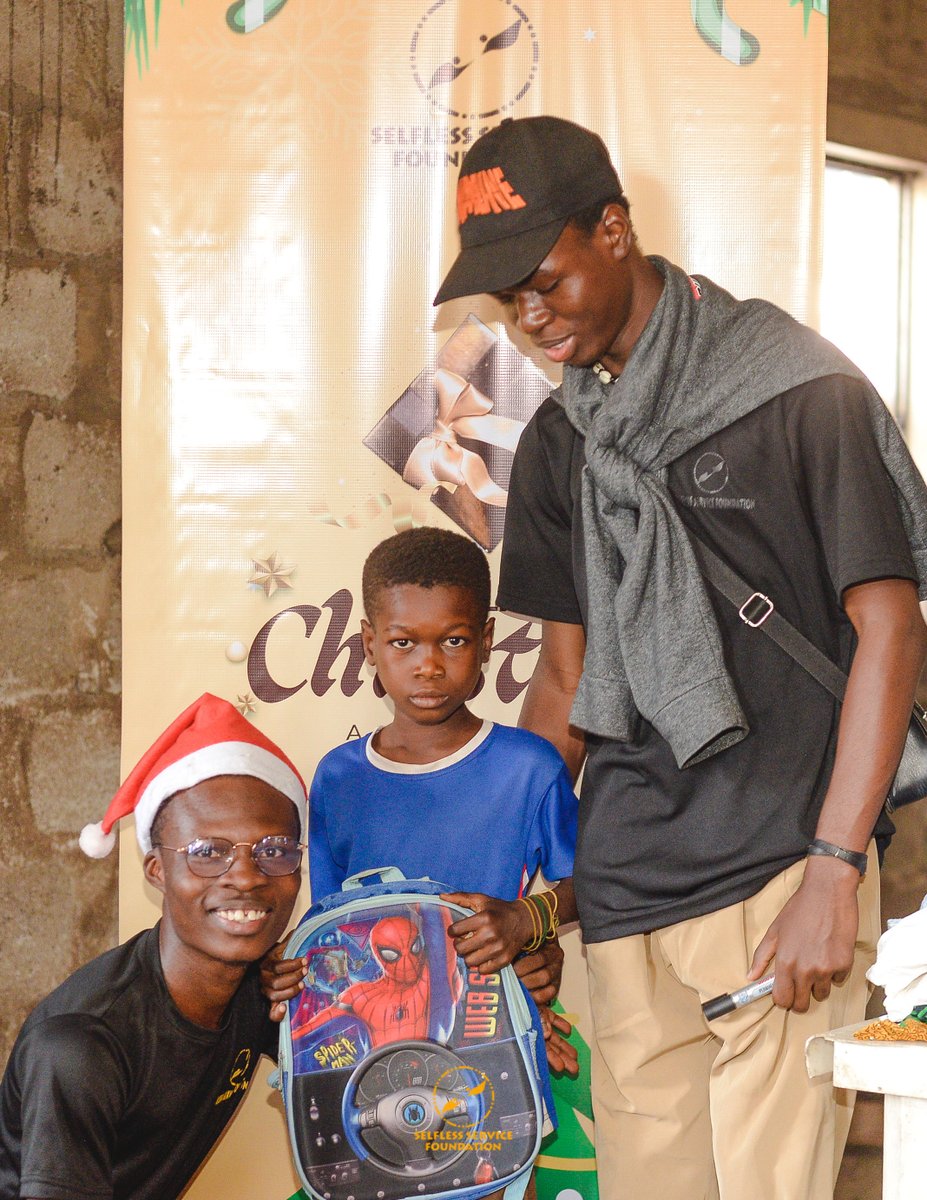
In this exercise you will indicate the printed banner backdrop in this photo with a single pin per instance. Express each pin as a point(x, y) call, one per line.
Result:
point(291, 397)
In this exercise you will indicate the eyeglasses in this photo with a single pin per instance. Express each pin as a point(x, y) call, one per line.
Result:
point(210, 857)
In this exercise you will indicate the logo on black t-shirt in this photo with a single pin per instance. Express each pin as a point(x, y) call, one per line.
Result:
point(239, 1076)
point(710, 473)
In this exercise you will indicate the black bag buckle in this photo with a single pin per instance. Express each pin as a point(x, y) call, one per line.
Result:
point(752, 611)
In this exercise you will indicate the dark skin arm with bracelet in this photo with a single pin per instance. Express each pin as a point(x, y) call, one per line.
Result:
point(522, 932)
point(813, 937)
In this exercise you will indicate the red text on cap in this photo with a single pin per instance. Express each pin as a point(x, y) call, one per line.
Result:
point(484, 192)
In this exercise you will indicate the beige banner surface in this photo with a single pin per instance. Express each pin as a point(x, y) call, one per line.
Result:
point(290, 395)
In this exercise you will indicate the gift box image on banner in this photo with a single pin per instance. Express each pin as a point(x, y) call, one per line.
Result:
point(459, 424)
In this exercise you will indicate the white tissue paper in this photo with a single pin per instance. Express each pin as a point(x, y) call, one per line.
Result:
point(901, 964)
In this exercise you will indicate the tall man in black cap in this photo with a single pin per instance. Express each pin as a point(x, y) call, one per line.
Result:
point(728, 801)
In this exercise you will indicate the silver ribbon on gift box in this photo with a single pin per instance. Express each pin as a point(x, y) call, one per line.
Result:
point(463, 411)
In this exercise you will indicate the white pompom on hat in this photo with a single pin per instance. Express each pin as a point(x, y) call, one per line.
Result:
point(209, 738)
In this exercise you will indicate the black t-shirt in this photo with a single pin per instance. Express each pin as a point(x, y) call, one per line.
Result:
point(795, 498)
point(110, 1092)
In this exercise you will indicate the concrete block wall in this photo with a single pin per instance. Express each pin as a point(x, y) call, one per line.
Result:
point(60, 533)
point(877, 98)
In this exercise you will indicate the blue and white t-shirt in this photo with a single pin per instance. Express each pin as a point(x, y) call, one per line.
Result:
point(481, 820)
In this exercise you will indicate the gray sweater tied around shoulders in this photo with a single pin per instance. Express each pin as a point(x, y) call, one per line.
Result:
point(703, 361)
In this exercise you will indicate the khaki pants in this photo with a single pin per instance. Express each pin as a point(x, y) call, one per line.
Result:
point(688, 1111)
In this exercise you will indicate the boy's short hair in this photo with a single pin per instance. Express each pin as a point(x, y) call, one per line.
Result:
point(427, 558)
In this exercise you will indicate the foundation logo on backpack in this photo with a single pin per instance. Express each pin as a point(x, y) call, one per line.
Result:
point(493, 64)
point(454, 1095)
point(464, 1098)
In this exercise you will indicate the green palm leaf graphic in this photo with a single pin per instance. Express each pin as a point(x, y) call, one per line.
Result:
point(821, 6)
point(137, 39)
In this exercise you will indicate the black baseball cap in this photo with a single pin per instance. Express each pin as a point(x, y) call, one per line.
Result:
point(519, 185)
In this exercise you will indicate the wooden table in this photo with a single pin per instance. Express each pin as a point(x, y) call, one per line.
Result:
point(898, 1071)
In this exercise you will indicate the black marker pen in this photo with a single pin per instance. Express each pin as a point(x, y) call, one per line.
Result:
point(731, 1000)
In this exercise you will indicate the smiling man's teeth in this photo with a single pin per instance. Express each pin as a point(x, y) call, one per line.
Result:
point(240, 915)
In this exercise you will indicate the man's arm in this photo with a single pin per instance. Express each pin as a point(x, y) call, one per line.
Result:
point(813, 937)
point(73, 1091)
point(549, 697)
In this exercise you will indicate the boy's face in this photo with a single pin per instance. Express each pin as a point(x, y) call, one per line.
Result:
point(428, 646)
point(236, 917)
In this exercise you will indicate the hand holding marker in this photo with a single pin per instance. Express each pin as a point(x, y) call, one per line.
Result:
point(731, 1000)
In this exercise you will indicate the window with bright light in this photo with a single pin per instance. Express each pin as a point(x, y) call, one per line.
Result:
point(865, 285)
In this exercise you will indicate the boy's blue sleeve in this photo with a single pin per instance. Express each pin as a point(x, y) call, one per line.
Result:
point(553, 831)
point(324, 875)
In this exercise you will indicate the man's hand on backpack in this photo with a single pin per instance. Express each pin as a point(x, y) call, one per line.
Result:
point(561, 1055)
point(494, 935)
point(281, 979)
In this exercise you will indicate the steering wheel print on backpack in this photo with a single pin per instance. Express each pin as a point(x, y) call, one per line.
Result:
point(414, 1108)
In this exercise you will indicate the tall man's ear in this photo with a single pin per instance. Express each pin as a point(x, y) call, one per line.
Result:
point(617, 227)
point(367, 636)
point(154, 870)
point(488, 630)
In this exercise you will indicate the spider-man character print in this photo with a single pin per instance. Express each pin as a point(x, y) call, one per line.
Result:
point(395, 1007)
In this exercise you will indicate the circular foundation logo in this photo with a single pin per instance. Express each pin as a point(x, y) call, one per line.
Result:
point(461, 1092)
point(474, 61)
point(710, 473)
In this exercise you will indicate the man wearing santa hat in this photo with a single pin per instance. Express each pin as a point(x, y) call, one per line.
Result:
point(123, 1079)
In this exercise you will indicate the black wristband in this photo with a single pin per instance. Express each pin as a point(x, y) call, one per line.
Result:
point(853, 857)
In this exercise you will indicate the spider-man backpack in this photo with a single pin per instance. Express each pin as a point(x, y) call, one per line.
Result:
point(404, 1074)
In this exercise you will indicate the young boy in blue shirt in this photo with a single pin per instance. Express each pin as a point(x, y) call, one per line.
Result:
point(438, 791)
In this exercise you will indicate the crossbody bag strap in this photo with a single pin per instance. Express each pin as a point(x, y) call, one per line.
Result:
point(759, 612)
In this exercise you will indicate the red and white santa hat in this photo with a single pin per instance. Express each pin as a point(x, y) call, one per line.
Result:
point(209, 738)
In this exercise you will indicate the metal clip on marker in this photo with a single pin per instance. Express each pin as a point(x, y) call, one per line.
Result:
point(731, 1000)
